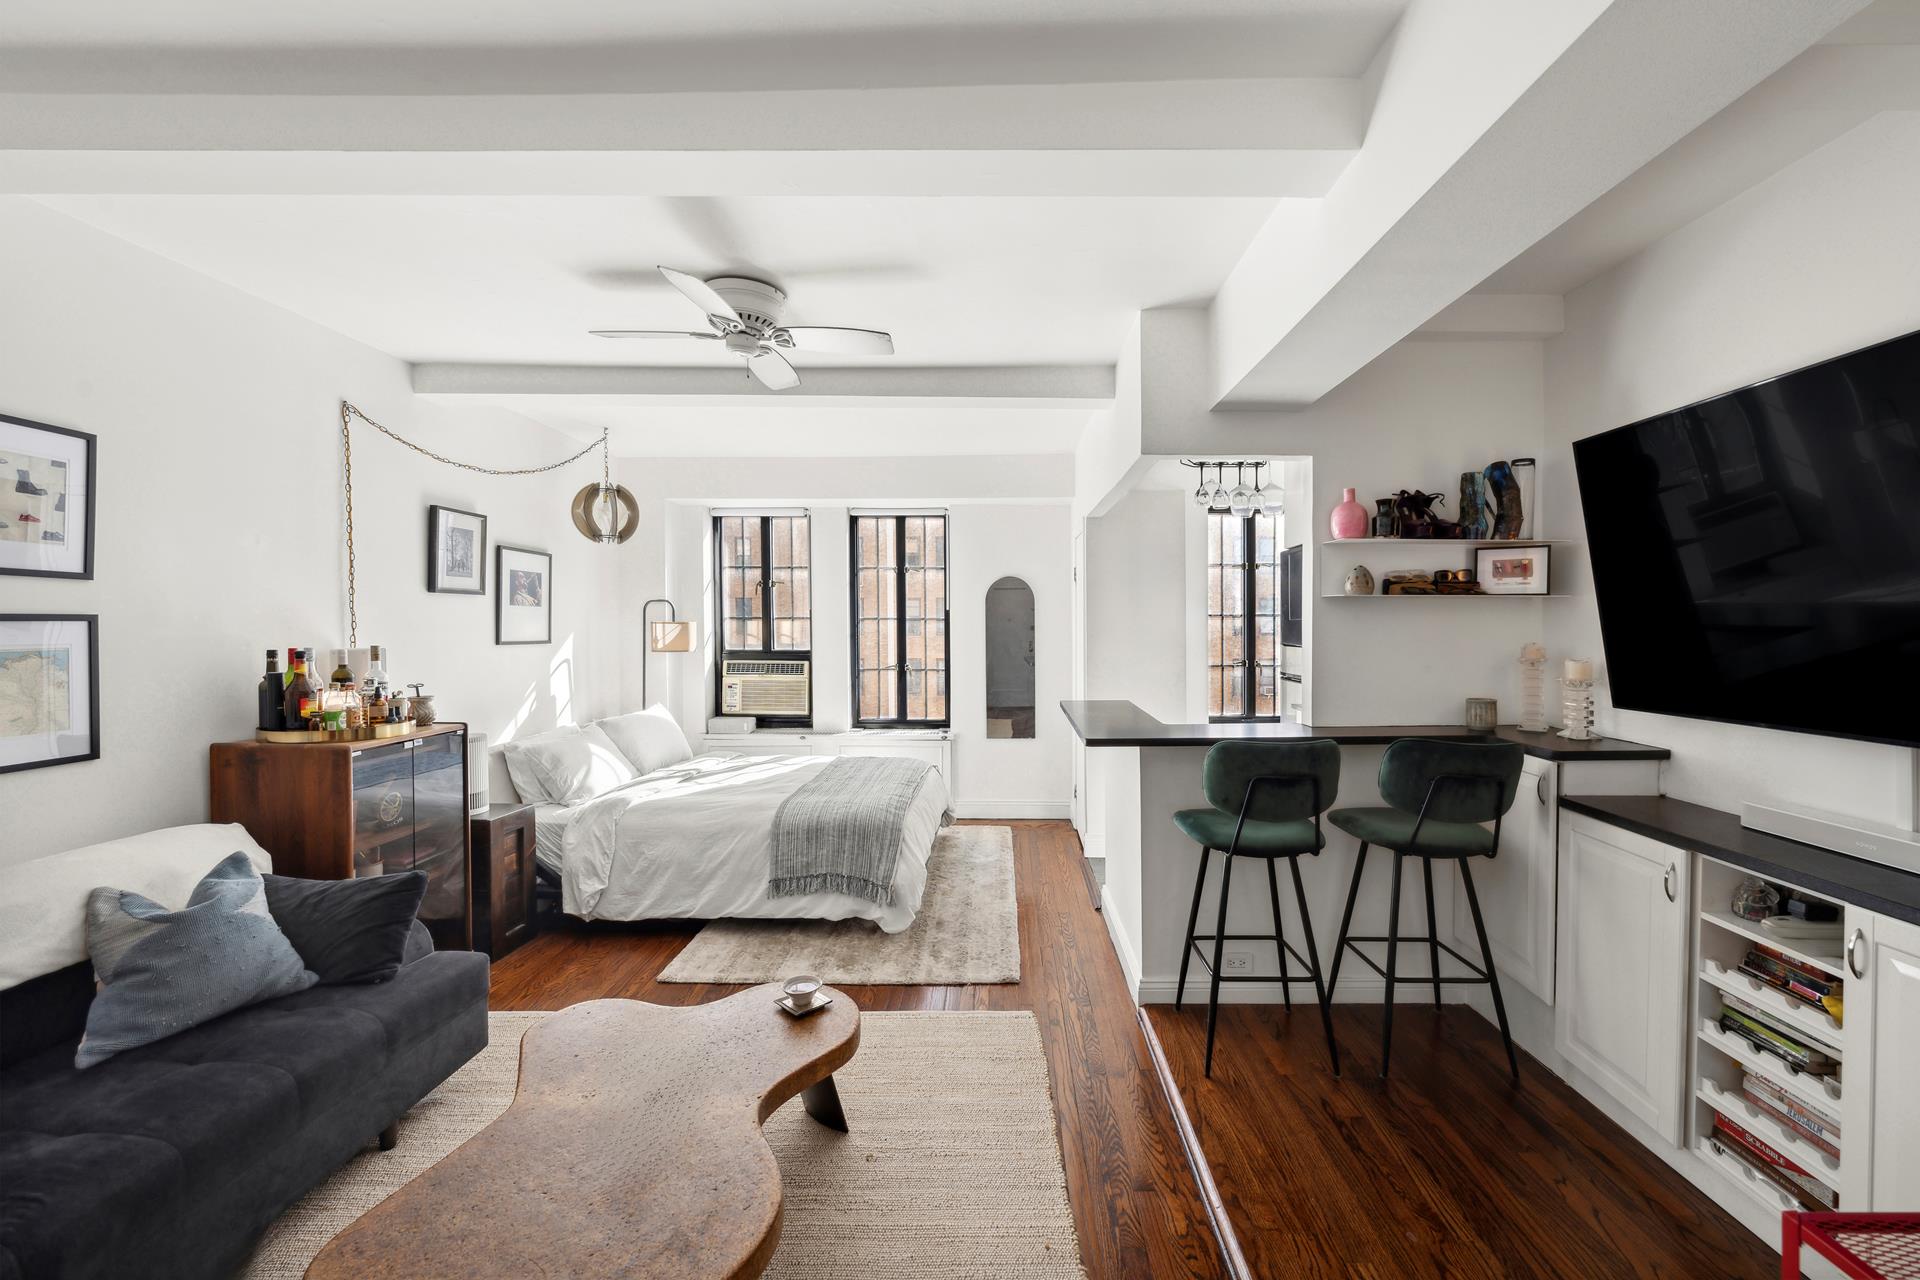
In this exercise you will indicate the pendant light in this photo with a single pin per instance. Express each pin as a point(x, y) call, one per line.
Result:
point(1240, 501)
point(606, 512)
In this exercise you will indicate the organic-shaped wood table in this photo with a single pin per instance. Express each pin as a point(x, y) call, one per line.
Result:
point(632, 1148)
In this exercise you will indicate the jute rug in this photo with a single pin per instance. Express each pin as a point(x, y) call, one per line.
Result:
point(952, 1168)
point(968, 931)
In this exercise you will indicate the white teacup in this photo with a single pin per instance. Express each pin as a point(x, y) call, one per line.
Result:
point(802, 991)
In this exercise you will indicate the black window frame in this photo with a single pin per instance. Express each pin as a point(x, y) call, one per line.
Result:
point(766, 651)
point(900, 619)
point(1250, 619)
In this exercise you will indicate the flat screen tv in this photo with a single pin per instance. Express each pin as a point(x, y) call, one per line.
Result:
point(1756, 556)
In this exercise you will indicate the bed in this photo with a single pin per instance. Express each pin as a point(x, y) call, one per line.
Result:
point(694, 839)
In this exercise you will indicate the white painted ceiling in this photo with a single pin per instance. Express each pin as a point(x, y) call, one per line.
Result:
point(495, 46)
point(956, 280)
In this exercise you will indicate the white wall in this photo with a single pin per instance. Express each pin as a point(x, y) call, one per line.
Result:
point(1816, 261)
point(219, 523)
point(1137, 606)
point(1007, 517)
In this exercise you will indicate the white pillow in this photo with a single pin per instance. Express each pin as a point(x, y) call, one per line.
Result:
point(43, 902)
point(650, 739)
point(566, 765)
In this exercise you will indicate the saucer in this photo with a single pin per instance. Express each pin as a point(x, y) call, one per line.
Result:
point(800, 1011)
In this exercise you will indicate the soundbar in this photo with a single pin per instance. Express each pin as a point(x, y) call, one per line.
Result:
point(1874, 841)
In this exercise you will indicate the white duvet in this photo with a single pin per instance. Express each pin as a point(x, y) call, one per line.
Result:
point(695, 841)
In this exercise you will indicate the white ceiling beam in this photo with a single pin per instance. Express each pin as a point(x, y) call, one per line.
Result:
point(1012, 386)
point(1494, 123)
point(1185, 137)
point(1498, 315)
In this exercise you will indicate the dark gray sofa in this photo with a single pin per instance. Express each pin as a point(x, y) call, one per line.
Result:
point(170, 1160)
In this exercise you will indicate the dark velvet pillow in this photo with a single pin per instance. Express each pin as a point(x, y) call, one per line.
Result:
point(348, 930)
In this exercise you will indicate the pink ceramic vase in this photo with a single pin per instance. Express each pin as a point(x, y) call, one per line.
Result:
point(1349, 518)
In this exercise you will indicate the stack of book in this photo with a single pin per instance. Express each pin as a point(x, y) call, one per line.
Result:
point(1820, 989)
point(1740, 1142)
point(1817, 1128)
point(1749, 1022)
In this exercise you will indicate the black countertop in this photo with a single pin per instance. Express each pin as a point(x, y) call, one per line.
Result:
point(1883, 889)
point(1122, 724)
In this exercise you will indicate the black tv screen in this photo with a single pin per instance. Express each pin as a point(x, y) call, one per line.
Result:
point(1756, 556)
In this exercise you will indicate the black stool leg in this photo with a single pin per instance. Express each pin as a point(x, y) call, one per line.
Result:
point(1279, 933)
point(1313, 961)
point(1493, 979)
point(1193, 918)
point(1346, 919)
point(1219, 939)
point(1393, 946)
point(1433, 931)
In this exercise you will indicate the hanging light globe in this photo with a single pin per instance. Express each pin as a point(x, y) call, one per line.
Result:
point(605, 513)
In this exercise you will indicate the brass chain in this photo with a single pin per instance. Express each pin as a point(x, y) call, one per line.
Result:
point(350, 411)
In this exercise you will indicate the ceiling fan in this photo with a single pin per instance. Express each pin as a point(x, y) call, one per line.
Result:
point(745, 315)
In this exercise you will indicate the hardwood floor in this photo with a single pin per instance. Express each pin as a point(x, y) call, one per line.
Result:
point(1135, 1204)
point(1446, 1170)
point(1443, 1172)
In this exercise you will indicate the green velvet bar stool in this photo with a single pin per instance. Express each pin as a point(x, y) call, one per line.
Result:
point(1266, 798)
point(1442, 795)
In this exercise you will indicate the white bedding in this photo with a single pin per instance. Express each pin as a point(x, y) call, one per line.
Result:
point(694, 841)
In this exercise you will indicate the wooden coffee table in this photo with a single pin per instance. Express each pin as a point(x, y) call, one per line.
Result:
point(632, 1148)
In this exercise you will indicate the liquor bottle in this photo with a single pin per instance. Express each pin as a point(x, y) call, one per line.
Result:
point(302, 702)
point(273, 695)
point(342, 673)
point(376, 668)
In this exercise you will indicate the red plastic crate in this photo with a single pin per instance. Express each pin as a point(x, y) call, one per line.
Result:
point(1865, 1246)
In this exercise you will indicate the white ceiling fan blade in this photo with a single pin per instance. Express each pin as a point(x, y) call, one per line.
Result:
point(652, 333)
point(845, 342)
point(772, 369)
point(701, 294)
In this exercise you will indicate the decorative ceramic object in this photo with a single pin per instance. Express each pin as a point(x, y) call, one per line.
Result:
point(1524, 479)
point(1359, 581)
point(1533, 688)
point(1577, 702)
point(1482, 714)
point(1349, 518)
point(1473, 505)
point(1504, 492)
point(1383, 518)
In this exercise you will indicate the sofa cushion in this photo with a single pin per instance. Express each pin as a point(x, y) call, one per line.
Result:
point(164, 971)
point(96, 1165)
point(348, 931)
point(43, 901)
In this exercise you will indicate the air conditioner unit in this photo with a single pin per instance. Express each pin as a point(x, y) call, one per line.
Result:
point(765, 686)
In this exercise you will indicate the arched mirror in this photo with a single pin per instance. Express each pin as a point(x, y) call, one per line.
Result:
point(1009, 659)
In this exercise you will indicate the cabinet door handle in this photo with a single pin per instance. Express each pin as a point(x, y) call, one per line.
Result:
point(1540, 788)
point(1667, 881)
point(1853, 964)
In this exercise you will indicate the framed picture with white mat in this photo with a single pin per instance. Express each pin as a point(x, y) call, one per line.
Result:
point(523, 596)
point(49, 689)
point(46, 500)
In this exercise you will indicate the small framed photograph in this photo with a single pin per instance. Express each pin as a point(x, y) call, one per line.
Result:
point(456, 551)
point(46, 500)
point(49, 689)
point(1520, 570)
point(523, 599)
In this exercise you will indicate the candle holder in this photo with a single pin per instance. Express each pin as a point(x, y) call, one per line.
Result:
point(1576, 706)
point(1533, 689)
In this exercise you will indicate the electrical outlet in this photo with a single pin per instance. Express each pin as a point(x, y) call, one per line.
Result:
point(1236, 962)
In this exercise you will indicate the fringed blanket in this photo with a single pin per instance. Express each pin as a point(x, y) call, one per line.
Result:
point(840, 833)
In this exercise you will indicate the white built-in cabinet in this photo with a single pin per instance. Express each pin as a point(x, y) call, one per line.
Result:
point(1881, 1121)
point(1516, 886)
point(1621, 1007)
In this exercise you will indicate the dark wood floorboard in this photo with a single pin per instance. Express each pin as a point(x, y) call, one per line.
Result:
point(1135, 1204)
point(1446, 1170)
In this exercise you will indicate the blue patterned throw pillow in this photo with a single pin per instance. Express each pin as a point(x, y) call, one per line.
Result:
point(162, 971)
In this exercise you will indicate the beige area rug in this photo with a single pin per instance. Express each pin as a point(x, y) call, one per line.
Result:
point(968, 931)
point(952, 1168)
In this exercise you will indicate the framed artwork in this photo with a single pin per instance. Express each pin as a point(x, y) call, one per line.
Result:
point(456, 551)
point(46, 500)
point(523, 599)
point(1520, 570)
point(49, 689)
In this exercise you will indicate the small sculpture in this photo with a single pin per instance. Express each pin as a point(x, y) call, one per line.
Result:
point(1359, 581)
point(1349, 519)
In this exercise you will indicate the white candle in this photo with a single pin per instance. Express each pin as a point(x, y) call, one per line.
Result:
point(1579, 669)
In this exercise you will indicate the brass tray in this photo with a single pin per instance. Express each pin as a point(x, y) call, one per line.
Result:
point(371, 733)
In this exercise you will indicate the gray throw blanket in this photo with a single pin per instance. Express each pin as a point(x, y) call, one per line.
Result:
point(840, 831)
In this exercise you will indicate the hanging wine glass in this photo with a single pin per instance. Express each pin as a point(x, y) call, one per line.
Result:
point(1219, 486)
point(1240, 501)
point(1259, 494)
point(1201, 497)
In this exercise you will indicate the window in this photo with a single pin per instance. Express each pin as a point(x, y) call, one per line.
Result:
point(900, 620)
point(1243, 600)
point(763, 570)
